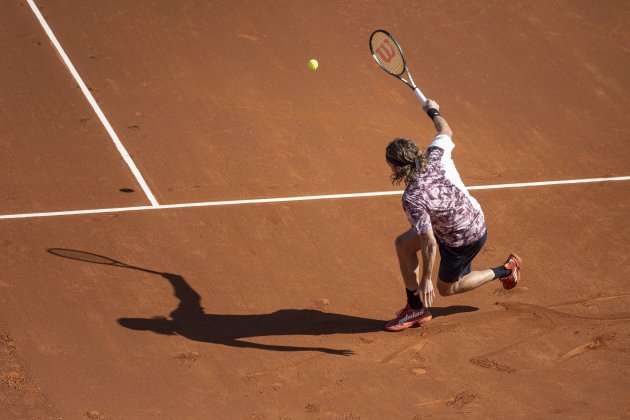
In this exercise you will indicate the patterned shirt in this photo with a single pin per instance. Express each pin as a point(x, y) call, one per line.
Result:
point(437, 199)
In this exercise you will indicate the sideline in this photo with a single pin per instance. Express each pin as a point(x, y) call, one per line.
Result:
point(303, 198)
point(92, 101)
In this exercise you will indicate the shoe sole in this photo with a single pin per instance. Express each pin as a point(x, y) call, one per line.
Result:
point(422, 321)
point(417, 323)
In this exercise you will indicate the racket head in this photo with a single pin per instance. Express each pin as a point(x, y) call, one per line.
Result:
point(74, 254)
point(387, 53)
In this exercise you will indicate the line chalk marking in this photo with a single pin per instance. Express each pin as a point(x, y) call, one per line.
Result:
point(303, 198)
point(95, 106)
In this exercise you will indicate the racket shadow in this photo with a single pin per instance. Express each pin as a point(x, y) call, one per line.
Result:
point(190, 320)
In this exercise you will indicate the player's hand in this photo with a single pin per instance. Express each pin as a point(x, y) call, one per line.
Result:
point(431, 104)
point(425, 291)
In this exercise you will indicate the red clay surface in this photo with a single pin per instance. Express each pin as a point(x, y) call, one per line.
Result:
point(276, 310)
point(55, 154)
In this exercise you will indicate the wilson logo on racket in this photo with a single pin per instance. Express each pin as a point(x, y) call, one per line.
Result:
point(386, 52)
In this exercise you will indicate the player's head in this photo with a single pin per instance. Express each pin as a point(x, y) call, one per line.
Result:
point(405, 160)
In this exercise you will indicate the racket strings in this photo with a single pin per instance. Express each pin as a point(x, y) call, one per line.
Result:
point(387, 53)
point(82, 256)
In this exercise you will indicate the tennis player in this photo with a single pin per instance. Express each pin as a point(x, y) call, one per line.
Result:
point(444, 216)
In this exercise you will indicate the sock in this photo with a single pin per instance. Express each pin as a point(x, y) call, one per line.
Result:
point(413, 300)
point(501, 271)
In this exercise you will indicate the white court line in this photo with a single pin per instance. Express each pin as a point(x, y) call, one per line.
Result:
point(303, 198)
point(542, 183)
point(92, 101)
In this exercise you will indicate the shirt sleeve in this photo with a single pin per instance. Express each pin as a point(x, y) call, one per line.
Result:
point(445, 143)
point(417, 216)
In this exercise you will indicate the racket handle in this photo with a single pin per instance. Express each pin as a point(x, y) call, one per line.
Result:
point(420, 96)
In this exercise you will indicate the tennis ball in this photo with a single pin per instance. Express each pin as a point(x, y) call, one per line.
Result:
point(313, 64)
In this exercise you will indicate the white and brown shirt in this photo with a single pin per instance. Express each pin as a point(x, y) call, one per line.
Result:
point(437, 199)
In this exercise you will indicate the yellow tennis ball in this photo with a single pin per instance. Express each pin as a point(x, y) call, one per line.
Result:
point(313, 64)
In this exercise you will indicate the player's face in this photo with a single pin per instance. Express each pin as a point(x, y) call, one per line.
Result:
point(394, 168)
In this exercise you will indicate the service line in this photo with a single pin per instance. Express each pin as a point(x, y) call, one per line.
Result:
point(299, 198)
point(95, 106)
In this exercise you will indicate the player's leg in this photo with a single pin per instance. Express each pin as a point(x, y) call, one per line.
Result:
point(407, 247)
point(414, 313)
point(469, 282)
point(455, 275)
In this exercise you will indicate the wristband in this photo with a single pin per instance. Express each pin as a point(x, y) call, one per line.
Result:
point(432, 113)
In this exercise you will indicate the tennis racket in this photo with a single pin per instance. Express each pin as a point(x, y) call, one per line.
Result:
point(389, 56)
point(73, 254)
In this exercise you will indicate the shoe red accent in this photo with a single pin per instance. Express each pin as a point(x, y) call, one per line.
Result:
point(407, 317)
point(515, 264)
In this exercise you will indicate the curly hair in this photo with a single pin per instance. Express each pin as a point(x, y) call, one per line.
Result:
point(405, 155)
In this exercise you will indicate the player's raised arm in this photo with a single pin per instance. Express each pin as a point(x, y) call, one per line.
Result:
point(433, 111)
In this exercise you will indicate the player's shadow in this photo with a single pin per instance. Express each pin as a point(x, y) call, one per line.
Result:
point(191, 321)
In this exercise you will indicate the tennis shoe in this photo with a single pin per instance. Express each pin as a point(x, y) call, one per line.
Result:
point(407, 318)
point(515, 264)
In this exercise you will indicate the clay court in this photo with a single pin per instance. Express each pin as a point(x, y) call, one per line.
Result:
point(257, 270)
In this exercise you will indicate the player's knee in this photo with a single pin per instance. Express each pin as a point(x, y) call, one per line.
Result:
point(399, 243)
point(445, 289)
point(406, 243)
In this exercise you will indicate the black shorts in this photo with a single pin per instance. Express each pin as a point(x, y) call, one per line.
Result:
point(455, 262)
